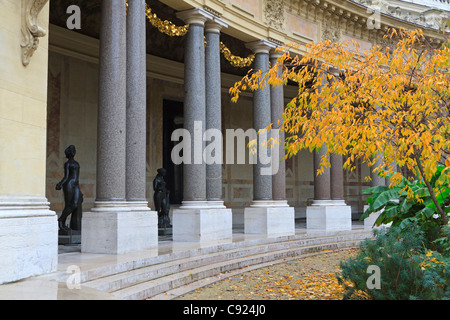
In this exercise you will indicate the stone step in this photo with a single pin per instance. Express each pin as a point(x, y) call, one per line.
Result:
point(146, 273)
point(153, 277)
point(146, 290)
point(142, 273)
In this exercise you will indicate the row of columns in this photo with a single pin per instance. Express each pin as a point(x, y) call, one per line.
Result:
point(203, 105)
point(121, 147)
point(203, 199)
point(330, 184)
point(202, 216)
point(121, 206)
point(328, 210)
point(121, 220)
point(269, 212)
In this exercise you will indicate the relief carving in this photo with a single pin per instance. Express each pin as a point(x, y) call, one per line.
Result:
point(274, 13)
point(31, 31)
point(331, 30)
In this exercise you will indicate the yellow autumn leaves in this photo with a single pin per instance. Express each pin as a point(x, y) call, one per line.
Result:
point(430, 261)
point(311, 278)
point(390, 102)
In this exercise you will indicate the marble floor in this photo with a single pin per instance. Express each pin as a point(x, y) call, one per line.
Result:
point(50, 287)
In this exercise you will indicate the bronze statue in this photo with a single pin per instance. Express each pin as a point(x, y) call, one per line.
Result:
point(72, 194)
point(161, 199)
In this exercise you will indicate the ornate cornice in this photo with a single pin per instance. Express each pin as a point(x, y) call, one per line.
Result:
point(351, 17)
point(433, 14)
point(31, 31)
point(303, 21)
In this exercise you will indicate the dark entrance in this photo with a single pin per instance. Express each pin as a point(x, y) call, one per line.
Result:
point(172, 120)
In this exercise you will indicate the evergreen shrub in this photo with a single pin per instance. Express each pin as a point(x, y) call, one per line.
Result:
point(408, 269)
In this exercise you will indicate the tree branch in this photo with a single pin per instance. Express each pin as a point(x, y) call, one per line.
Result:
point(430, 188)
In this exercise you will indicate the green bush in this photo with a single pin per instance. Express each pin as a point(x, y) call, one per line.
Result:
point(408, 270)
point(413, 255)
point(442, 241)
point(410, 202)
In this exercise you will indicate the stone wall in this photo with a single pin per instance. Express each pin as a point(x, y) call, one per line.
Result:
point(28, 229)
point(23, 103)
point(72, 120)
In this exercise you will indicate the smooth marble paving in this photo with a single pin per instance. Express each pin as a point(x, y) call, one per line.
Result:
point(55, 286)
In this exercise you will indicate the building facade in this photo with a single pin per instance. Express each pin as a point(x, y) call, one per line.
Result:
point(117, 83)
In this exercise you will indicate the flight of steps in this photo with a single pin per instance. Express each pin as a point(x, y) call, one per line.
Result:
point(152, 277)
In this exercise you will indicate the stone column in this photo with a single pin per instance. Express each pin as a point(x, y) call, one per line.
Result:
point(337, 178)
point(265, 216)
point(198, 219)
point(111, 126)
point(328, 210)
point(394, 170)
point(376, 181)
point(194, 173)
point(136, 144)
point(322, 182)
point(113, 227)
point(262, 183)
point(214, 112)
point(136, 103)
point(277, 109)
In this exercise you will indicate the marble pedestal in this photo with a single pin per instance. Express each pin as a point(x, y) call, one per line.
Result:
point(28, 238)
point(269, 218)
point(69, 239)
point(117, 228)
point(197, 221)
point(329, 215)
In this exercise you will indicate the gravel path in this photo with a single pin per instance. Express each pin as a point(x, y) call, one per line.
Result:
point(310, 278)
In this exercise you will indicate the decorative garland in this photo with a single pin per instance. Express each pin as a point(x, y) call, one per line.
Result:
point(172, 30)
point(236, 61)
point(165, 26)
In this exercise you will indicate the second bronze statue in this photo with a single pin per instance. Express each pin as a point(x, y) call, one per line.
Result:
point(73, 197)
point(161, 198)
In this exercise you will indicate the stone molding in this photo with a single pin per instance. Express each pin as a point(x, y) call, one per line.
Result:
point(195, 16)
point(31, 31)
point(21, 207)
point(215, 25)
point(261, 46)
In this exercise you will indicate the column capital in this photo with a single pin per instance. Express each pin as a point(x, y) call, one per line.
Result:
point(215, 25)
point(261, 46)
point(195, 16)
point(274, 54)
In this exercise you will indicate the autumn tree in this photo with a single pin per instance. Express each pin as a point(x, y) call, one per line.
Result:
point(389, 105)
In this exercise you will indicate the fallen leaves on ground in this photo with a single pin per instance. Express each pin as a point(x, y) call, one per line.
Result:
point(311, 278)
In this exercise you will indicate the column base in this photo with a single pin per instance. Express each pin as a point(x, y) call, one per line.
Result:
point(369, 222)
point(198, 221)
point(329, 215)
point(28, 238)
point(268, 217)
point(119, 227)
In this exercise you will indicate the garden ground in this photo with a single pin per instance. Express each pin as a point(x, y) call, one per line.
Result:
point(309, 278)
